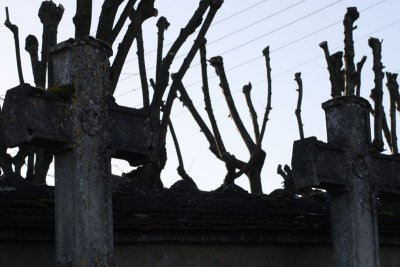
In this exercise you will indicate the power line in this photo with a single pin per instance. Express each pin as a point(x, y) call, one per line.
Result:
point(213, 24)
point(301, 64)
point(280, 28)
point(257, 38)
point(238, 13)
point(281, 47)
point(239, 30)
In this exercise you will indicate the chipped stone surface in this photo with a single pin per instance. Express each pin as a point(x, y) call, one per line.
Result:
point(352, 174)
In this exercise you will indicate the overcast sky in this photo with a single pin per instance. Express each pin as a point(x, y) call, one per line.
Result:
point(242, 29)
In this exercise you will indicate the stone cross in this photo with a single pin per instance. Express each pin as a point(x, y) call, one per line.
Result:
point(85, 127)
point(352, 174)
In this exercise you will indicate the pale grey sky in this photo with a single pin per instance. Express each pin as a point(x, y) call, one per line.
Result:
point(292, 28)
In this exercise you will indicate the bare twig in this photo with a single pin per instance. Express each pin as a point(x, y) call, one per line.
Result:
point(268, 107)
point(185, 99)
point(393, 88)
point(377, 92)
point(217, 63)
point(14, 29)
point(181, 168)
point(358, 75)
point(144, 11)
point(207, 99)
point(121, 21)
point(163, 72)
point(350, 72)
point(215, 5)
point(253, 114)
point(297, 78)
point(142, 69)
point(107, 18)
point(83, 18)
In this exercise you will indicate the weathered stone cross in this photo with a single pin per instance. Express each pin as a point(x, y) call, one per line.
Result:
point(85, 131)
point(352, 174)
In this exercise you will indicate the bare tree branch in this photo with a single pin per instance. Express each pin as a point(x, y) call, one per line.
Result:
point(217, 63)
point(142, 69)
point(107, 18)
point(121, 21)
point(253, 114)
point(144, 11)
point(297, 78)
point(32, 47)
point(163, 73)
point(350, 72)
point(181, 168)
point(335, 64)
point(162, 25)
point(177, 78)
point(393, 88)
point(207, 99)
point(14, 29)
point(185, 99)
point(83, 18)
point(268, 107)
point(377, 92)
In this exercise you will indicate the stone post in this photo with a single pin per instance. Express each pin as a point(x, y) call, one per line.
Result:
point(353, 212)
point(83, 200)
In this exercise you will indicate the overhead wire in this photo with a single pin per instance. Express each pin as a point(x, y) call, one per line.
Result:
point(291, 69)
point(213, 24)
point(257, 38)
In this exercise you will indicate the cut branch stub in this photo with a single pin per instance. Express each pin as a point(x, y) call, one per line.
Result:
point(297, 78)
point(335, 64)
point(217, 63)
point(393, 88)
point(83, 18)
point(358, 78)
point(253, 114)
point(32, 47)
point(146, 10)
point(162, 25)
point(350, 71)
point(377, 92)
point(50, 15)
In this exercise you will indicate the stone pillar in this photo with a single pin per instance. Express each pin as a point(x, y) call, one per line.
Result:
point(83, 200)
point(353, 213)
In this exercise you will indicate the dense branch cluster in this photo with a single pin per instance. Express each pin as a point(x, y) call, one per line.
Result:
point(159, 93)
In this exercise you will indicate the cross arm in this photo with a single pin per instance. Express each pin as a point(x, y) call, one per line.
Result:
point(36, 117)
point(32, 116)
point(317, 164)
point(131, 137)
point(384, 171)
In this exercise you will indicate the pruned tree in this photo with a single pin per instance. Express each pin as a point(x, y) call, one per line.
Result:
point(234, 167)
point(111, 23)
point(345, 81)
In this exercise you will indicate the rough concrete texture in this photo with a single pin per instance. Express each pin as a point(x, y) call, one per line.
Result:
point(352, 174)
point(83, 199)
